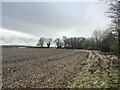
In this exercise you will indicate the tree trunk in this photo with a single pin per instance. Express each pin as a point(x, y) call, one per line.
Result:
point(119, 44)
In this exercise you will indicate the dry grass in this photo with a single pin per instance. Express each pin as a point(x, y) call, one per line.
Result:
point(99, 72)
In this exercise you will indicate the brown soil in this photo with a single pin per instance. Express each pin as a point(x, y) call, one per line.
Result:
point(38, 68)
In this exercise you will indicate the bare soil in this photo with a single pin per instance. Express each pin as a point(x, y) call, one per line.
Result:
point(40, 68)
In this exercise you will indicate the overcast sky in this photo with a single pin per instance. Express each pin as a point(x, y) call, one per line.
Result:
point(54, 19)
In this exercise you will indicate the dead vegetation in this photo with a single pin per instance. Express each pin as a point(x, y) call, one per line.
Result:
point(100, 71)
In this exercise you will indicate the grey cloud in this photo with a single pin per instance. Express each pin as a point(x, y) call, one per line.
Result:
point(53, 19)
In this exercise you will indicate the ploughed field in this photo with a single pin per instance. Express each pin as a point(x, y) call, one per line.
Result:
point(38, 68)
point(58, 68)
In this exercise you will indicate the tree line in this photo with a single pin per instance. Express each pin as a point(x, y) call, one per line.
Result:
point(105, 41)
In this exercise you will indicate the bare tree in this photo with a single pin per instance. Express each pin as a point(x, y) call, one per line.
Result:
point(114, 13)
point(97, 35)
point(65, 41)
point(41, 42)
point(48, 42)
point(58, 43)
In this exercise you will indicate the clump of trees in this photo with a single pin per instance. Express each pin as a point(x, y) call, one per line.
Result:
point(106, 41)
point(69, 43)
point(42, 41)
point(114, 13)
